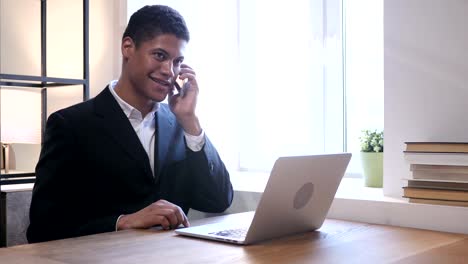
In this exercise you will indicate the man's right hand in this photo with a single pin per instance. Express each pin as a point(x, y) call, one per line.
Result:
point(162, 212)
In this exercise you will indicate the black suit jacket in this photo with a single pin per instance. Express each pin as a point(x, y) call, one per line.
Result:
point(93, 168)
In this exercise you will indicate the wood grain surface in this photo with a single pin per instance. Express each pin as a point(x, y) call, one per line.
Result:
point(336, 242)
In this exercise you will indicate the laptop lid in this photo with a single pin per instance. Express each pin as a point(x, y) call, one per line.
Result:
point(296, 199)
point(298, 195)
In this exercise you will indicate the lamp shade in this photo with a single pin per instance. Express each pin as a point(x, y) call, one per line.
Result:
point(20, 115)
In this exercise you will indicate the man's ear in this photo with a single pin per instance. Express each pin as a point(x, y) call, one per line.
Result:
point(128, 47)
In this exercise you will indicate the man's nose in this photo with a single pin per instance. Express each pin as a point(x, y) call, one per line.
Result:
point(168, 69)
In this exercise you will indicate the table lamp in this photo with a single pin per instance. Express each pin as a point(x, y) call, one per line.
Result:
point(20, 120)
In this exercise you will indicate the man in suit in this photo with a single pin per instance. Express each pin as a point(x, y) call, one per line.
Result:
point(123, 159)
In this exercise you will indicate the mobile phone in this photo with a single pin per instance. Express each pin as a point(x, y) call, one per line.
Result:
point(181, 85)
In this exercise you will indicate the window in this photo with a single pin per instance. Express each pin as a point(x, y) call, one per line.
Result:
point(291, 74)
point(363, 72)
point(271, 76)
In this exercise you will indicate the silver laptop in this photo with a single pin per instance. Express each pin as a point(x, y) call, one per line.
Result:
point(297, 198)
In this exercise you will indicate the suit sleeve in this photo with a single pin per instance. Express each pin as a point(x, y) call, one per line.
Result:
point(212, 190)
point(56, 210)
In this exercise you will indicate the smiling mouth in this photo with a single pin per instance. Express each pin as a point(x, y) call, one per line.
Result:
point(161, 82)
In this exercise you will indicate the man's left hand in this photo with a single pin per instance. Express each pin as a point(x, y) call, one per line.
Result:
point(183, 103)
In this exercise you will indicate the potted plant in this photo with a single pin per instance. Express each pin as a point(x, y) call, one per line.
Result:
point(372, 146)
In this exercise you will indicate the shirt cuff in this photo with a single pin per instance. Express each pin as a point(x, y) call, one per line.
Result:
point(116, 222)
point(195, 143)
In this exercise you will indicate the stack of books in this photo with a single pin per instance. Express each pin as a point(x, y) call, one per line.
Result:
point(438, 173)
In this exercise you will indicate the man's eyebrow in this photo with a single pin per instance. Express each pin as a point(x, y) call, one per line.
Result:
point(165, 53)
point(160, 50)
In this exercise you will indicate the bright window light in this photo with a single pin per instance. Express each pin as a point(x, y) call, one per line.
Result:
point(363, 72)
point(278, 78)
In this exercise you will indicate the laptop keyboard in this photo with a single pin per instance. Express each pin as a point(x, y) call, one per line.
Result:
point(234, 233)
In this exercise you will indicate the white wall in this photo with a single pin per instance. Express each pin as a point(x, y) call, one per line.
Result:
point(20, 50)
point(426, 78)
point(65, 49)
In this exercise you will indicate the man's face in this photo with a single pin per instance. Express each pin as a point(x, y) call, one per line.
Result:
point(153, 67)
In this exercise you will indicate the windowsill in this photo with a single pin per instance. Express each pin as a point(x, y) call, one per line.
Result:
point(350, 188)
point(245, 181)
point(353, 188)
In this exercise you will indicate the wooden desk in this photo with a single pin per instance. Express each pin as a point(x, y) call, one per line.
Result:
point(336, 242)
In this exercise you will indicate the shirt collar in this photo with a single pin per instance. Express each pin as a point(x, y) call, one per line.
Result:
point(130, 111)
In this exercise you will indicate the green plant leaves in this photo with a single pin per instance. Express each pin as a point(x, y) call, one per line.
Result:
point(372, 141)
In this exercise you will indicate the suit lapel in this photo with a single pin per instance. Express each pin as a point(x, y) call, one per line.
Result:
point(164, 130)
point(117, 125)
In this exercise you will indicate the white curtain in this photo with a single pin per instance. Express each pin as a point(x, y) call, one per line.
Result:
point(291, 73)
point(364, 72)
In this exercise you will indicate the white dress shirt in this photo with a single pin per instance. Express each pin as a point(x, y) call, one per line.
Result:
point(145, 127)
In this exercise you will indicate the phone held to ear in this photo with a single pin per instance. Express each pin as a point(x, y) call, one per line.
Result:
point(181, 85)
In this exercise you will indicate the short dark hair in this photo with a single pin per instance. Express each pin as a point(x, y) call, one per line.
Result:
point(152, 21)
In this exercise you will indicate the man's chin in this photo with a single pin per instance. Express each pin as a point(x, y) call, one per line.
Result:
point(159, 97)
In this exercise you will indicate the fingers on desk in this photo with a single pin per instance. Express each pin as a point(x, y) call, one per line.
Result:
point(168, 215)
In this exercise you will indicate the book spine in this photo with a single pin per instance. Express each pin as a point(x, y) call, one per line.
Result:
point(436, 159)
point(420, 175)
point(438, 202)
point(435, 194)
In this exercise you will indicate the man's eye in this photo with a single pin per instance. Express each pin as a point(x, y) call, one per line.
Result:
point(178, 61)
point(160, 56)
